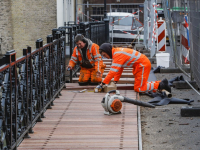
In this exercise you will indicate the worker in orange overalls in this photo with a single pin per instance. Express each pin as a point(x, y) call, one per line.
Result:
point(92, 66)
point(125, 57)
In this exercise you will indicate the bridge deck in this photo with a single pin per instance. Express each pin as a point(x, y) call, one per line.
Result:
point(77, 121)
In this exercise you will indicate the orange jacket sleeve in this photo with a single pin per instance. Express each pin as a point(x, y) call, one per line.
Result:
point(118, 74)
point(115, 71)
point(74, 58)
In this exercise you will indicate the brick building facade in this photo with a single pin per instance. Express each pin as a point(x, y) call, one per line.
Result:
point(22, 22)
point(6, 37)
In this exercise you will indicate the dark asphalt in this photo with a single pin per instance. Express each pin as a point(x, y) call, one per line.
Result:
point(163, 128)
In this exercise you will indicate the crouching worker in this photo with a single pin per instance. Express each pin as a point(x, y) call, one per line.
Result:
point(125, 57)
point(91, 63)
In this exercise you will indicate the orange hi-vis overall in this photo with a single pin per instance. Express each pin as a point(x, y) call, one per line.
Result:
point(92, 54)
point(125, 57)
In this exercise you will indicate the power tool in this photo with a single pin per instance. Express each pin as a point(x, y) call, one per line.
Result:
point(113, 104)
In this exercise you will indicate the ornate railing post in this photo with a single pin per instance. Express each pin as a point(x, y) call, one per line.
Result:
point(58, 64)
point(11, 99)
point(39, 44)
point(28, 89)
point(50, 69)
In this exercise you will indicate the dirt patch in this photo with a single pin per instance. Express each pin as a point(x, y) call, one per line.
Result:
point(163, 128)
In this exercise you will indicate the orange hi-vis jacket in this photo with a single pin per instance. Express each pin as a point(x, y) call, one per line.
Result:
point(129, 58)
point(92, 55)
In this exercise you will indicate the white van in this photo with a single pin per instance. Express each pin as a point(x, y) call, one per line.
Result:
point(124, 26)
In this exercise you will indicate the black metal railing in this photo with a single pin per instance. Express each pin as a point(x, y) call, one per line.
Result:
point(95, 31)
point(28, 86)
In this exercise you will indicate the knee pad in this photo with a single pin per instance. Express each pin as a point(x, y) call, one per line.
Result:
point(94, 83)
point(83, 83)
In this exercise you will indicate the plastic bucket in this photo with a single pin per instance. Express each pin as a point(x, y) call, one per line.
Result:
point(162, 59)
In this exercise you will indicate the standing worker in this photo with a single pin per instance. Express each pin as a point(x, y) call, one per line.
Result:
point(92, 66)
point(125, 57)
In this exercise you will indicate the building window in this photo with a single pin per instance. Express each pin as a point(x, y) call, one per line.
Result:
point(98, 10)
point(94, 10)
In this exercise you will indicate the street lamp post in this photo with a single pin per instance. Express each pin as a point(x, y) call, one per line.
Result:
point(106, 20)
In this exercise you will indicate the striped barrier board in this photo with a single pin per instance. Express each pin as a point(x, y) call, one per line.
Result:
point(161, 36)
point(185, 43)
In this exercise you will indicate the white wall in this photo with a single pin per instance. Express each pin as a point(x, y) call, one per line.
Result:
point(60, 13)
point(69, 10)
point(65, 11)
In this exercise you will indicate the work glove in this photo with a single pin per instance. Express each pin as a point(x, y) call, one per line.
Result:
point(69, 68)
point(99, 86)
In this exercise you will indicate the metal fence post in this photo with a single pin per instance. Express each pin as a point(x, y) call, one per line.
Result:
point(57, 35)
point(49, 38)
point(27, 97)
point(39, 43)
point(70, 31)
point(11, 57)
point(145, 24)
point(30, 82)
point(106, 20)
point(54, 33)
point(82, 26)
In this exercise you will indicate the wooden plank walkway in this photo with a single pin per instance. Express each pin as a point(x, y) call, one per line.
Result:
point(126, 77)
point(77, 122)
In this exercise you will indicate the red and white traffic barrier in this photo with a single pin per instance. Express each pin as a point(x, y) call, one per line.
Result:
point(154, 23)
point(184, 43)
point(161, 36)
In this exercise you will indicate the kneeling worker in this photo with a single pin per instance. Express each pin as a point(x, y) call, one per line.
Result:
point(125, 57)
point(87, 53)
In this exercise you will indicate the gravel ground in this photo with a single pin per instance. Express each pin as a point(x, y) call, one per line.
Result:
point(163, 128)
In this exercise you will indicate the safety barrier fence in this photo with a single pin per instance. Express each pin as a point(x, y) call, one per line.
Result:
point(28, 86)
point(95, 31)
point(122, 30)
point(150, 25)
point(182, 21)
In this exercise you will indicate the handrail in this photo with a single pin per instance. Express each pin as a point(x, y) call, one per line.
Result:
point(28, 86)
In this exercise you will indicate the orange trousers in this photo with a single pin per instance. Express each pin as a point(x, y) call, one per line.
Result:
point(90, 73)
point(141, 73)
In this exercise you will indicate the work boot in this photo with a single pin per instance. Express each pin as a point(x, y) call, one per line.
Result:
point(163, 85)
point(157, 70)
point(94, 83)
point(178, 78)
point(172, 80)
point(181, 78)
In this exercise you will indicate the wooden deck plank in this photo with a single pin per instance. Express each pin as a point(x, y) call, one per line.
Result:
point(121, 81)
point(76, 122)
point(75, 87)
point(123, 75)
